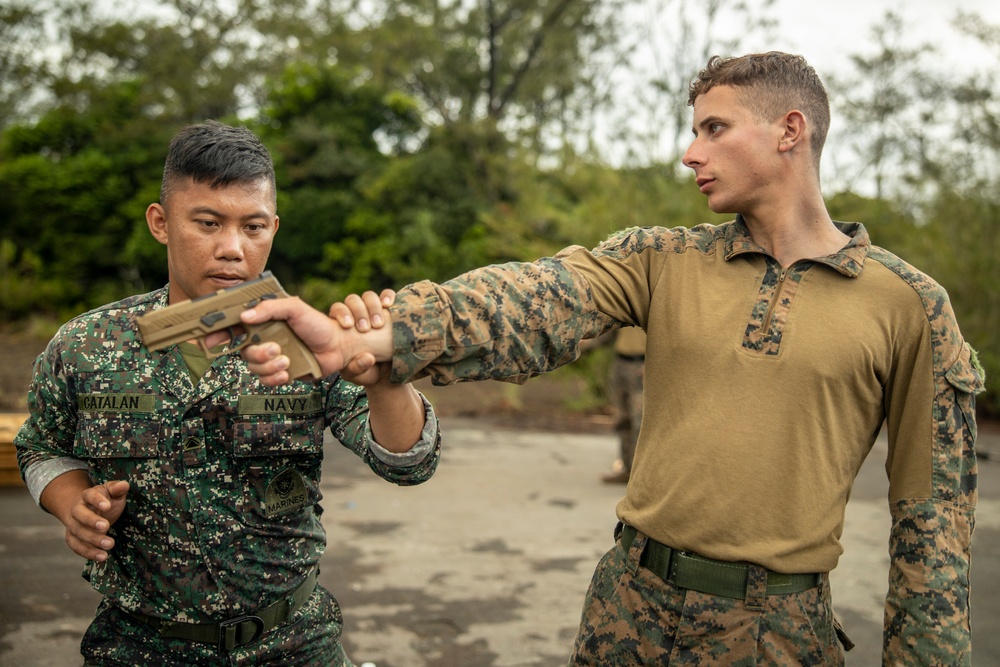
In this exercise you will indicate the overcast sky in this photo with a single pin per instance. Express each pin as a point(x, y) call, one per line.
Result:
point(825, 31)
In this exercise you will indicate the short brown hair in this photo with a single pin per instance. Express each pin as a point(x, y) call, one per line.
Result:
point(772, 84)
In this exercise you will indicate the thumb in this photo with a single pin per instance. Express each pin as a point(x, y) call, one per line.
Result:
point(116, 489)
point(270, 309)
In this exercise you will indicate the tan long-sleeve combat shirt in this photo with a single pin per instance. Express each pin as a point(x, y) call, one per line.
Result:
point(765, 390)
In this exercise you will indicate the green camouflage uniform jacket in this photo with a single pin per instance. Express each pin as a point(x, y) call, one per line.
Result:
point(786, 371)
point(223, 514)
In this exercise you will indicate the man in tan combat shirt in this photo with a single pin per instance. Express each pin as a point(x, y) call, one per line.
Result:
point(779, 344)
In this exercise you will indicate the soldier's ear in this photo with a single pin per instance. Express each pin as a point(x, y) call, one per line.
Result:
point(794, 127)
point(156, 220)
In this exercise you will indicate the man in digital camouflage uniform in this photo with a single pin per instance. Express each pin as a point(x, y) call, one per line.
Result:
point(192, 489)
point(778, 346)
point(624, 387)
point(625, 380)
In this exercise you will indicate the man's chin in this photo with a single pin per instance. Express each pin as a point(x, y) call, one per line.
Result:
point(720, 207)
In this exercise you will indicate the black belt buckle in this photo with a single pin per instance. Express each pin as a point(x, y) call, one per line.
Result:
point(228, 630)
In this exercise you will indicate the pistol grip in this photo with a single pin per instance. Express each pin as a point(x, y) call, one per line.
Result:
point(302, 363)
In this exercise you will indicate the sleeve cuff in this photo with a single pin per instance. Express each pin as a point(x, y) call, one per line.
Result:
point(416, 454)
point(38, 475)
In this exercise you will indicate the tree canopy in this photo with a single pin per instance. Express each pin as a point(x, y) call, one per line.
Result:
point(419, 138)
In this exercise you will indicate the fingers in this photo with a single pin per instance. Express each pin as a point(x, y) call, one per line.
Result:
point(117, 489)
point(87, 536)
point(363, 370)
point(365, 312)
point(91, 519)
point(315, 329)
point(387, 297)
point(267, 361)
point(274, 309)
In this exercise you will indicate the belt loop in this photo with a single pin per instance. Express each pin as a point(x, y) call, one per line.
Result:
point(756, 587)
point(635, 553)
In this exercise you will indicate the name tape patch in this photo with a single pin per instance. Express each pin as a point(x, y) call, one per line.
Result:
point(117, 403)
point(289, 404)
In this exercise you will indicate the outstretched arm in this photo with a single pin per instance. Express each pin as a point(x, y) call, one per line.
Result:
point(358, 335)
point(332, 344)
point(395, 411)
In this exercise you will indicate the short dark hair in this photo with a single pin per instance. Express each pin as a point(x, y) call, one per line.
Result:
point(771, 84)
point(217, 154)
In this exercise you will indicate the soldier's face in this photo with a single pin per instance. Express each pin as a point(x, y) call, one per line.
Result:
point(734, 155)
point(215, 237)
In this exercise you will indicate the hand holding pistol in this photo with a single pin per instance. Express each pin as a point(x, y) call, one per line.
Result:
point(220, 311)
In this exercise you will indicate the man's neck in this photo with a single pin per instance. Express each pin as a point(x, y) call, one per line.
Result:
point(790, 233)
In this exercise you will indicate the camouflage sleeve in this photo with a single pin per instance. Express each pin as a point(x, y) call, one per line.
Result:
point(503, 322)
point(347, 414)
point(927, 606)
point(414, 466)
point(48, 433)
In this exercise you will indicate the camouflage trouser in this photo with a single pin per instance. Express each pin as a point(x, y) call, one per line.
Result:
point(625, 389)
point(310, 639)
point(632, 617)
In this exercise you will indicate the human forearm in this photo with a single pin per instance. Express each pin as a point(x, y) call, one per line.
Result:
point(505, 322)
point(39, 474)
point(414, 466)
point(396, 415)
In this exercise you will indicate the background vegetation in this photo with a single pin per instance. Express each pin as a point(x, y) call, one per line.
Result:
point(420, 138)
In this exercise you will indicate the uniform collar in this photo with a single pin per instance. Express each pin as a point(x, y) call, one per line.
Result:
point(224, 371)
point(849, 260)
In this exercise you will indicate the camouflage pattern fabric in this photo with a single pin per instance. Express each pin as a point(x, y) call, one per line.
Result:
point(223, 514)
point(929, 545)
point(915, 373)
point(310, 639)
point(633, 618)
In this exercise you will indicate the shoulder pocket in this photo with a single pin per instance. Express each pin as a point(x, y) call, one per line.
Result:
point(966, 374)
point(966, 379)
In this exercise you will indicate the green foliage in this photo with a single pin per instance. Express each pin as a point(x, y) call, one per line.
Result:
point(417, 140)
point(962, 254)
point(418, 220)
point(21, 68)
point(69, 182)
point(324, 126)
point(888, 226)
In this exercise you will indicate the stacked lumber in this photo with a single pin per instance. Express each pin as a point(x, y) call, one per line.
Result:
point(10, 422)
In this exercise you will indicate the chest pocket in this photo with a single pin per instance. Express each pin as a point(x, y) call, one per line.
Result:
point(127, 447)
point(117, 446)
point(278, 457)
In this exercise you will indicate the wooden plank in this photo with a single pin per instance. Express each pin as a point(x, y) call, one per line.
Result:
point(10, 422)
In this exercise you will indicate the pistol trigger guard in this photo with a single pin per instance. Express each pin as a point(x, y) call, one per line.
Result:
point(208, 352)
point(251, 338)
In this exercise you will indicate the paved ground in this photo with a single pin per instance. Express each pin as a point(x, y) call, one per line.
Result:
point(484, 566)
